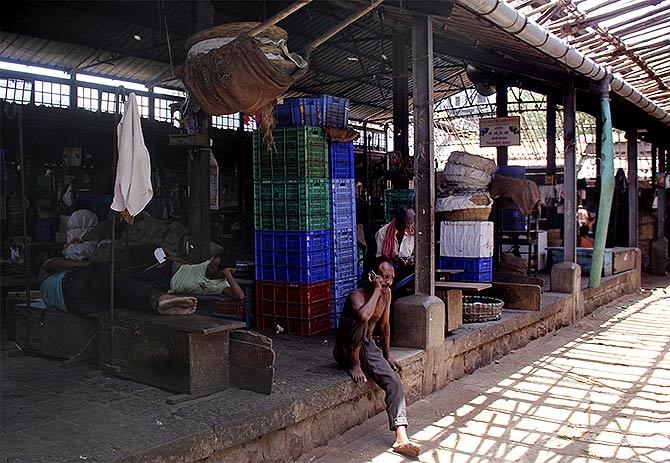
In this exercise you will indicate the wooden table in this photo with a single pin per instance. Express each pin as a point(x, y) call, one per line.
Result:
point(462, 285)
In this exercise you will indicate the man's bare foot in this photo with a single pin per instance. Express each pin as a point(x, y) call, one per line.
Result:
point(357, 374)
point(408, 449)
point(402, 445)
point(176, 305)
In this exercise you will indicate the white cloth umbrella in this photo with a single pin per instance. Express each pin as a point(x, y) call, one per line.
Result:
point(132, 188)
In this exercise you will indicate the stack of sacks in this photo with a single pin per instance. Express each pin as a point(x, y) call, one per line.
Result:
point(466, 237)
point(462, 187)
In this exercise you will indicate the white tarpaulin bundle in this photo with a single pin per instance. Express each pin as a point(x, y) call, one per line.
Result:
point(464, 173)
point(466, 239)
point(132, 188)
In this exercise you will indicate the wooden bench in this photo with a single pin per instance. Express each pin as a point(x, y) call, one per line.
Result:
point(190, 354)
point(55, 333)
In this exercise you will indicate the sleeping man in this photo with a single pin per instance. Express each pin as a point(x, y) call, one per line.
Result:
point(84, 289)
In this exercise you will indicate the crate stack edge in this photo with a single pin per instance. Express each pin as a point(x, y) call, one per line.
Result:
point(345, 249)
point(293, 231)
point(467, 246)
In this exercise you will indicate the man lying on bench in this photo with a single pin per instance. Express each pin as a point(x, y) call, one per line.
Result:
point(212, 277)
point(84, 289)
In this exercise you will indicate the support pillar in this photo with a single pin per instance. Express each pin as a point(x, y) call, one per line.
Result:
point(631, 139)
point(551, 138)
point(501, 111)
point(401, 103)
point(419, 319)
point(202, 16)
point(569, 176)
point(424, 164)
point(607, 183)
point(198, 203)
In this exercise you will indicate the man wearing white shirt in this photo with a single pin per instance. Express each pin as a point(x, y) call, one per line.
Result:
point(395, 240)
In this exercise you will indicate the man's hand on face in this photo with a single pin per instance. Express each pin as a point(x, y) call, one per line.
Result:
point(378, 283)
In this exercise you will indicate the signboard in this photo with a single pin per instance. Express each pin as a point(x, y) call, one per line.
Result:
point(72, 157)
point(499, 131)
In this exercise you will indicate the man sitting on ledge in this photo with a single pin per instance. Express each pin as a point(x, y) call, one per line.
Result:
point(84, 289)
point(356, 351)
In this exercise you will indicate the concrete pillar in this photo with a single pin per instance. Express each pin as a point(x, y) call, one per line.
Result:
point(418, 322)
point(569, 176)
point(566, 277)
point(659, 246)
point(631, 138)
point(401, 100)
point(424, 163)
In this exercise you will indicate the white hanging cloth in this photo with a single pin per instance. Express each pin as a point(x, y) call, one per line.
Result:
point(132, 188)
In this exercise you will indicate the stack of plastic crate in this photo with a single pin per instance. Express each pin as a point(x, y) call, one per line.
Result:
point(511, 218)
point(467, 246)
point(394, 200)
point(345, 249)
point(292, 199)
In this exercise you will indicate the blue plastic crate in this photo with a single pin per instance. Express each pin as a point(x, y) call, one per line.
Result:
point(511, 219)
point(343, 286)
point(343, 206)
point(293, 256)
point(298, 274)
point(341, 159)
point(512, 171)
point(334, 111)
point(344, 245)
point(345, 270)
point(477, 269)
point(298, 112)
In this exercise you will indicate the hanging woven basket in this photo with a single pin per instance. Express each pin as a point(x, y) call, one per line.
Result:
point(479, 309)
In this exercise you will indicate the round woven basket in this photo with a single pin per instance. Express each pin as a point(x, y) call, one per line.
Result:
point(479, 309)
point(235, 30)
point(480, 214)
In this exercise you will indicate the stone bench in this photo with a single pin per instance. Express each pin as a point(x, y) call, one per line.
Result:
point(193, 355)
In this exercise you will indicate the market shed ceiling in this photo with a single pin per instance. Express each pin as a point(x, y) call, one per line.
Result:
point(129, 40)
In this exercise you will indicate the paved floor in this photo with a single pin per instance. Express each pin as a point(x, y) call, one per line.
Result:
point(597, 391)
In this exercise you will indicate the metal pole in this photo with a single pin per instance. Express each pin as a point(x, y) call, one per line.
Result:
point(631, 138)
point(400, 101)
point(278, 17)
point(551, 137)
point(26, 249)
point(340, 26)
point(660, 191)
point(424, 164)
point(606, 184)
point(570, 176)
point(501, 111)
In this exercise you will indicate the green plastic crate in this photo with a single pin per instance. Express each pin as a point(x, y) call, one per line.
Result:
point(394, 200)
point(299, 152)
point(292, 205)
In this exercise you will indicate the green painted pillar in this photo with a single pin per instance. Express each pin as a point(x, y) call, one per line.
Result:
point(606, 186)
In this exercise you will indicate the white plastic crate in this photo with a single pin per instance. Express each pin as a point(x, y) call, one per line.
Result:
point(466, 239)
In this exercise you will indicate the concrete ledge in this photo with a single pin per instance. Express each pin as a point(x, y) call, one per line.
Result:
point(311, 421)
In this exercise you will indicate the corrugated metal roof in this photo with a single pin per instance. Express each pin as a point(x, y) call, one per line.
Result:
point(97, 37)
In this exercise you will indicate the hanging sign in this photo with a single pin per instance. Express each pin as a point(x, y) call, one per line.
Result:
point(499, 131)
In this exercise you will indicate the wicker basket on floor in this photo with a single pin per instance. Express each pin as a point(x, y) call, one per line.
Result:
point(478, 309)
